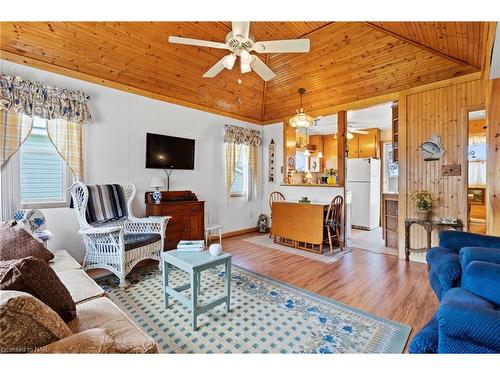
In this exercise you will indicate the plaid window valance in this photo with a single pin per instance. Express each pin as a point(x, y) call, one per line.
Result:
point(37, 99)
point(239, 135)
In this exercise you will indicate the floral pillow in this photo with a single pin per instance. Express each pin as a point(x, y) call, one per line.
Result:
point(27, 324)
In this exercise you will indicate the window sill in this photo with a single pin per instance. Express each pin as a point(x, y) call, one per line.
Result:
point(237, 195)
point(42, 205)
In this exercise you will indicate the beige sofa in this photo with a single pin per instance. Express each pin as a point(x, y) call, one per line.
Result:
point(95, 310)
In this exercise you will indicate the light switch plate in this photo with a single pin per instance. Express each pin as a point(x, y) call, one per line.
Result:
point(451, 170)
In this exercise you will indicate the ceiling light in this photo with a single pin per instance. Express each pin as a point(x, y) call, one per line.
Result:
point(301, 119)
point(245, 57)
point(245, 68)
point(350, 135)
point(229, 60)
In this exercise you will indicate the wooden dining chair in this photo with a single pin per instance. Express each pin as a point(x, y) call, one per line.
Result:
point(333, 220)
point(275, 196)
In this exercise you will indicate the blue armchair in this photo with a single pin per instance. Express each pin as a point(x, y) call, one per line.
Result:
point(468, 319)
point(455, 251)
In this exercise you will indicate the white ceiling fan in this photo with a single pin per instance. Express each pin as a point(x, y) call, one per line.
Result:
point(241, 43)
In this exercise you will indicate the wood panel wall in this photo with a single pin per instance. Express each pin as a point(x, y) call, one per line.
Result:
point(493, 117)
point(442, 111)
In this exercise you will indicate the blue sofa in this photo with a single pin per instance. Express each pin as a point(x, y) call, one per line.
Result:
point(468, 318)
point(455, 251)
point(464, 272)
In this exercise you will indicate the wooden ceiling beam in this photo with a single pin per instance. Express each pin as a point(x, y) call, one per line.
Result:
point(419, 45)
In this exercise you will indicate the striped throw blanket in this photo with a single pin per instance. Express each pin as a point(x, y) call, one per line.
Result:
point(106, 203)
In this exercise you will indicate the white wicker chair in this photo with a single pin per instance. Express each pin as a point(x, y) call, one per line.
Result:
point(105, 243)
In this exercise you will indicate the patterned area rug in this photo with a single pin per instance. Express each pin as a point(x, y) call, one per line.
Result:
point(266, 316)
point(326, 257)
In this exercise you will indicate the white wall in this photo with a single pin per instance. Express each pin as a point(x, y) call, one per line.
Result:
point(115, 153)
point(315, 194)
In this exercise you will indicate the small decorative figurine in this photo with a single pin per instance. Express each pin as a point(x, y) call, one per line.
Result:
point(263, 223)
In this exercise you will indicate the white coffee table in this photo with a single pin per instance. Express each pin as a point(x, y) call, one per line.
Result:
point(194, 263)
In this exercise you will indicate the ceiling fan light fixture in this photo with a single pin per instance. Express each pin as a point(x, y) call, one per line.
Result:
point(245, 57)
point(245, 68)
point(350, 135)
point(229, 61)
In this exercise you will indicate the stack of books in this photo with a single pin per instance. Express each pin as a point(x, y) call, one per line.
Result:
point(191, 245)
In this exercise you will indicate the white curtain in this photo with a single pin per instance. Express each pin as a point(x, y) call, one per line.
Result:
point(10, 187)
point(477, 173)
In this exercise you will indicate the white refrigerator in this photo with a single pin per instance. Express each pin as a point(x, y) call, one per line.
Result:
point(363, 181)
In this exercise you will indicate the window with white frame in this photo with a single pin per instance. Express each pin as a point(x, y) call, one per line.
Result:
point(44, 173)
point(240, 183)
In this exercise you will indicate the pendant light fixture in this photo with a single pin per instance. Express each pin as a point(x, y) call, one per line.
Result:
point(301, 119)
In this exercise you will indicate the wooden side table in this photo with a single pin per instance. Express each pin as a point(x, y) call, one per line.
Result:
point(429, 226)
point(194, 263)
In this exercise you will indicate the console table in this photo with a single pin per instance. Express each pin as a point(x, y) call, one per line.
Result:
point(187, 212)
point(429, 226)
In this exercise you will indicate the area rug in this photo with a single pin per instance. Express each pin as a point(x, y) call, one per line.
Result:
point(266, 242)
point(267, 316)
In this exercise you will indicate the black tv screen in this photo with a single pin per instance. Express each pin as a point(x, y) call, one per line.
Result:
point(163, 151)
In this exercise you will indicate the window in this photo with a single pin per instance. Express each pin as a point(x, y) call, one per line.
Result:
point(44, 175)
point(391, 169)
point(240, 184)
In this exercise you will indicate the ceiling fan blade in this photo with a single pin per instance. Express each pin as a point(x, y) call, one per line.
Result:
point(216, 69)
point(241, 28)
point(261, 69)
point(196, 42)
point(279, 46)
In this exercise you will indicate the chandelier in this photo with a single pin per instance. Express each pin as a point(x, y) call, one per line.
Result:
point(301, 119)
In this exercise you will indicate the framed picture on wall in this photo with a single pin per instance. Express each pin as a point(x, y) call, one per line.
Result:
point(314, 164)
point(477, 195)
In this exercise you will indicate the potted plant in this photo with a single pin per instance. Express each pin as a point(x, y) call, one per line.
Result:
point(423, 202)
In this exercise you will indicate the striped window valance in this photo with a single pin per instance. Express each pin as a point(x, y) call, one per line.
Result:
point(239, 135)
point(37, 99)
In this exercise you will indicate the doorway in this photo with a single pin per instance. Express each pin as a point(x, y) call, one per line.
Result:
point(477, 153)
point(370, 174)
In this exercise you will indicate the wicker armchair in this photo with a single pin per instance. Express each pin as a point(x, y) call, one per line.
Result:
point(118, 245)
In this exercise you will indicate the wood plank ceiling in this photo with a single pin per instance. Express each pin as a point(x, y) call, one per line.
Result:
point(348, 61)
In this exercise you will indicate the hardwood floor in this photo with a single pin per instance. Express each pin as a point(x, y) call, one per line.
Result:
point(376, 283)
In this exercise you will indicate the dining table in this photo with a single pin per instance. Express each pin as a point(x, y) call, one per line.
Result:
point(299, 225)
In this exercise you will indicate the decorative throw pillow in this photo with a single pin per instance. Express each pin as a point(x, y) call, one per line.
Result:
point(17, 243)
point(27, 324)
point(34, 276)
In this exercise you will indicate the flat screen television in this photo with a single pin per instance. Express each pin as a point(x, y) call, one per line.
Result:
point(166, 152)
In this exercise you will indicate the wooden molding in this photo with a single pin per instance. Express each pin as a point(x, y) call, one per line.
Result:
point(490, 32)
point(19, 59)
point(238, 232)
point(341, 145)
point(419, 45)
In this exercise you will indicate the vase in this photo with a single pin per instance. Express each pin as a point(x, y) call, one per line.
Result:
point(330, 180)
point(423, 214)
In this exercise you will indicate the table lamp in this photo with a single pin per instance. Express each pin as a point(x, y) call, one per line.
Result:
point(156, 182)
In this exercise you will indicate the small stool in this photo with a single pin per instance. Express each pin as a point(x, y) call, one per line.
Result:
point(209, 228)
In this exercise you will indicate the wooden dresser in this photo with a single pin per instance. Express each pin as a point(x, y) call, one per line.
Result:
point(188, 215)
point(390, 219)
